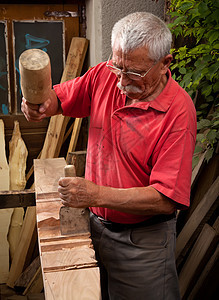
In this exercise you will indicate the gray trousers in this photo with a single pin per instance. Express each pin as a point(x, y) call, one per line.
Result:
point(136, 263)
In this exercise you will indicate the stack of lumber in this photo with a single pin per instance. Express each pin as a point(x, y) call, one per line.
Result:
point(68, 262)
point(197, 241)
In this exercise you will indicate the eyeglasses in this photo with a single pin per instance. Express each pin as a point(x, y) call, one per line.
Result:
point(131, 75)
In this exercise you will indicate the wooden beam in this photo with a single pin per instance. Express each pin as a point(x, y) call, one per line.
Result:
point(206, 241)
point(12, 199)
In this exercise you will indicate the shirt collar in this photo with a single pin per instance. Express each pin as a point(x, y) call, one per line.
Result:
point(163, 101)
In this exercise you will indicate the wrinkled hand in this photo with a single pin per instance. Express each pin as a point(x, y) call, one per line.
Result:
point(37, 112)
point(77, 192)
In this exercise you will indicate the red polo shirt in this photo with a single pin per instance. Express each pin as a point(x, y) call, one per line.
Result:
point(146, 143)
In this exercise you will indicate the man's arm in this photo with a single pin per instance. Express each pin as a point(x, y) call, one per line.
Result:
point(79, 192)
point(35, 112)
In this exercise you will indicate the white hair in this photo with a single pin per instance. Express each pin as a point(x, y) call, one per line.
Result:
point(143, 29)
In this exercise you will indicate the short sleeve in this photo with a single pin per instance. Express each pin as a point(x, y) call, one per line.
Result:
point(75, 95)
point(172, 169)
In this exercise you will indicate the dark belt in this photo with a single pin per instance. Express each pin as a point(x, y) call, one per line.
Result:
point(117, 227)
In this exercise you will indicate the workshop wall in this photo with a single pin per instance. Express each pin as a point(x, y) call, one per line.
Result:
point(101, 15)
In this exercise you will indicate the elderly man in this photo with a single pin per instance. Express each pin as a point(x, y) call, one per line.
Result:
point(138, 169)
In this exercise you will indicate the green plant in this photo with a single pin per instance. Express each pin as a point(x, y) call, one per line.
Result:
point(195, 25)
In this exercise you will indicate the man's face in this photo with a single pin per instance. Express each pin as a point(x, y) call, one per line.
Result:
point(137, 61)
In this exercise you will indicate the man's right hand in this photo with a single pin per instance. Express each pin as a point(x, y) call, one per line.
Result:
point(37, 112)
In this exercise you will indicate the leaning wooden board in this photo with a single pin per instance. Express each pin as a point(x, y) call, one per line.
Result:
point(68, 262)
point(5, 214)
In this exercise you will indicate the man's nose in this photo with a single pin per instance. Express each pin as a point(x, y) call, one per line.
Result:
point(124, 79)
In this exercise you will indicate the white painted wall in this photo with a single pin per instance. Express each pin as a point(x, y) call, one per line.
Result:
point(103, 14)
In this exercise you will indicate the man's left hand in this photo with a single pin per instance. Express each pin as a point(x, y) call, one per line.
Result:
point(77, 192)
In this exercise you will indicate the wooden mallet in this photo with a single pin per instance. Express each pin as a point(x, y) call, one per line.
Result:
point(35, 72)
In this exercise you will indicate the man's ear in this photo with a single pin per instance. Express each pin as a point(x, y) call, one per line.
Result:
point(166, 61)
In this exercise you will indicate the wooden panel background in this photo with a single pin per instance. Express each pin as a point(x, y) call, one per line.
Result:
point(10, 12)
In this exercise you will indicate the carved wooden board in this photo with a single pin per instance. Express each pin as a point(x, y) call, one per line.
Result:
point(17, 168)
point(68, 262)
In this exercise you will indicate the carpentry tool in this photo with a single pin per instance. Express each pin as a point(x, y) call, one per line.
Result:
point(35, 72)
point(73, 221)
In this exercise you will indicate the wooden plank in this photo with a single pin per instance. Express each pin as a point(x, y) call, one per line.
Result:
point(194, 263)
point(36, 283)
point(75, 135)
point(204, 275)
point(4, 167)
point(24, 279)
point(22, 248)
point(17, 166)
point(196, 218)
point(5, 218)
point(12, 199)
point(203, 183)
point(197, 169)
point(66, 260)
point(17, 159)
point(15, 230)
point(57, 125)
point(5, 214)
